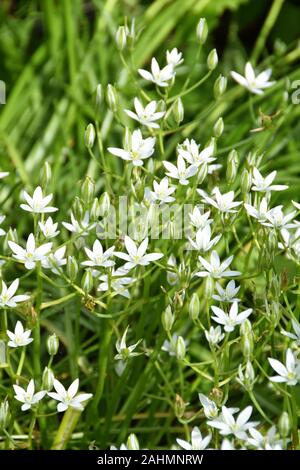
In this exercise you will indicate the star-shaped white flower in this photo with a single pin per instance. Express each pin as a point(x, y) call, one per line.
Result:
point(264, 442)
point(232, 319)
point(31, 254)
point(180, 172)
point(124, 351)
point(37, 204)
point(55, 260)
point(8, 297)
point(28, 397)
point(199, 219)
point(203, 240)
point(191, 152)
point(215, 268)
point(264, 185)
point(255, 84)
point(229, 425)
point(162, 191)
point(81, 227)
point(118, 282)
point(159, 76)
point(197, 441)
point(277, 219)
point(214, 335)
point(135, 255)
point(288, 373)
point(145, 116)
point(228, 294)
point(98, 257)
point(49, 228)
point(68, 398)
point(294, 336)
point(20, 337)
point(138, 149)
point(224, 203)
point(174, 57)
point(209, 407)
point(259, 213)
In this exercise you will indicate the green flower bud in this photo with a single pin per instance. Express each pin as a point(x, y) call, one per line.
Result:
point(78, 208)
point(87, 190)
point(104, 204)
point(180, 348)
point(112, 98)
point(95, 209)
point(179, 406)
point(72, 268)
point(89, 136)
point(45, 175)
point(232, 166)
point(87, 281)
point(247, 377)
point(167, 319)
point(246, 181)
point(202, 173)
point(212, 60)
point(4, 415)
point(47, 379)
point(284, 425)
point(247, 345)
point(194, 307)
point(150, 165)
point(220, 86)
point(178, 111)
point(219, 128)
point(209, 287)
point(12, 236)
point(132, 442)
point(52, 345)
point(202, 30)
point(121, 38)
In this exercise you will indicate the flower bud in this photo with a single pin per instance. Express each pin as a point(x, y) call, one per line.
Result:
point(194, 307)
point(167, 318)
point(95, 209)
point(77, 208)
point(219, 128)
point(89, 136)
point(45, 175)
point(87, 190)
point(284, 425)
point(112, 98)
point(209, 287)
point(246, 378)
point(202, 30)
point(47, 379)
point(52, 345)
point(132, 442)
point(180, 348)
point(11, 236)
point(232, 166)
point(212, 60)
point(202, 173)
point(4, 415)
point(104, 204)
point(121, 38)
point(246, 181)
point(72, 268)
point(87, 281)
point(179, 406)
point(150, 165)
point(220, 86)
point(247, 345)
point(178, 111)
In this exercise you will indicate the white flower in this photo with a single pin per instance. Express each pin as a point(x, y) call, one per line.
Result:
point(160, 77)
point(264, 185)
point(98, 257)
point(124, 351)
point(197, 441)
point(214, 335)
point(146, 116)
point(227, 445)
point(138, 149)
point(295, 336)
point(174, 57)
point(170, 346)
point(232, 319)
point(48, 228)
point(28, 397)
point(277, 219)
point(267, 442)
point(230, 425)
point(223, 202)
point(261, 212)
point(180, 172)
point(37, 204)
point(215, 268)
point(288, 373)
point(228, 294)
point(19, 337)
point(162, 191)
point(209, 407)
point(31, 254)
point(7, 297)
point(198, 219)
point(68, 398)
point(118, 282)
point(55, 260)
point(136, 255)
point(2, 232)
point(203, 240)
point(190, 151)
point(255, 84)
point(3, 174)
point(82, 227)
